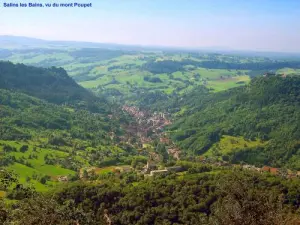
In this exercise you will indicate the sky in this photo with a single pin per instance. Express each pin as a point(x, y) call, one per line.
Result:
point(258, 25)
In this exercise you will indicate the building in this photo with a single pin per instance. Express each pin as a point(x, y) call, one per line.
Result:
point(150, 166)
point(271, 170)
point(63, 179)
point(265, 169)
point(269, 74)
point(283, 75)
point(274, 171)
point(124, 169)
point(165, 140)
point(158, 172)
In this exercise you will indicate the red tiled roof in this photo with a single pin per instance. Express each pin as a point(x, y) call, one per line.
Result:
point(266, 168)
point(274, 170)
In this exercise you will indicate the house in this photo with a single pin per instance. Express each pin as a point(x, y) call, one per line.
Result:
point(158, 172)
point(265, 169)
point(174, 151)
point(62, 179)
point(165, 140)
point(202, 158)
point(269, 74)
point(291, 176)
point(283, 75)
point(149, 166)
point(271, 170)
point(247, 166)
point(124, 169)
point(274, 171)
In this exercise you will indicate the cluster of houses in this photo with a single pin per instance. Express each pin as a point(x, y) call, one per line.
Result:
point(265, 169)
point(147, 125)
point(275, 171)
point(151, 169)
point(62, 178)
point(171, 149)
point(174, 151)
point(134, 111)
point(144, 117)
point(272, 74)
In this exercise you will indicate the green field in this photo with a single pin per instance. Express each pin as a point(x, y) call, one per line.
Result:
point(35, 167)
point(229, 144)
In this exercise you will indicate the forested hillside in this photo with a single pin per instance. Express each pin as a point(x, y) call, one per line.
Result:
point(23, 117)
point(52, 127)
point(52, 84)
point(267, 110)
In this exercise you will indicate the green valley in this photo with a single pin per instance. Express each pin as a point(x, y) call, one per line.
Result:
point(126, 73)
point(143, 136)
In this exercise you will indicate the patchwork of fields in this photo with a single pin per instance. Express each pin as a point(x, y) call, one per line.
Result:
point(47, 167)
point(122, 73)
point(30, 165)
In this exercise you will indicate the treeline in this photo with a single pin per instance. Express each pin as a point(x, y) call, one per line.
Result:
point(268, 110)
point(229, 197)
point(170, 66)
point(86, 55)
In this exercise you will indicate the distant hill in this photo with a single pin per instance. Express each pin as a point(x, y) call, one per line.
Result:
point(7, 39)
point(14, 42)
point(264, 115)
point(52, 84)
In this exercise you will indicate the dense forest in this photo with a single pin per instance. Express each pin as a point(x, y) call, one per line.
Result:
point(170, 66)
point(222, 196)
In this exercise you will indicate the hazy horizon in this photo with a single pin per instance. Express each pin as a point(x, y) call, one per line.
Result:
point(231, 24)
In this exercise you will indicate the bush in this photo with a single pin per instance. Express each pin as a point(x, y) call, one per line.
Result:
point(24, 148)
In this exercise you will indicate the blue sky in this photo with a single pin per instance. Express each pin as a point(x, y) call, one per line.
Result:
point(267, 25)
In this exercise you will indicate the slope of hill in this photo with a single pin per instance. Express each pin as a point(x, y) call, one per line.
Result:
point(52, 84)
point(267, 111)
point(21, 112)
point(41, 139)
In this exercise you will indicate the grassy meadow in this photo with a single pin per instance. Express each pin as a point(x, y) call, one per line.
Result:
point(30, 166)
